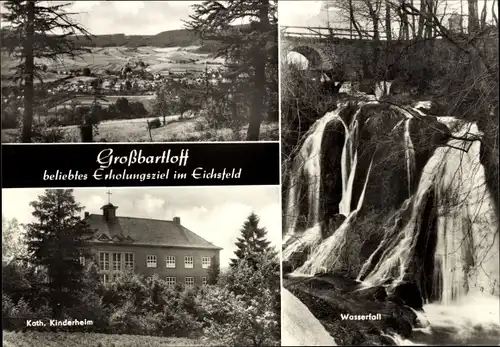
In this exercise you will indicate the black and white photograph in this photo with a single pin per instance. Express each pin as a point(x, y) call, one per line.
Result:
point(389, 133)
point(191, 266)
point(139, 71)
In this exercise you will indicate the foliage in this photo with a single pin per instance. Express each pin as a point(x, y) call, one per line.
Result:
point(36, 31)
point(252, 242)
point(213, 272)
point(55, 242)
point(154, 124)
point(12, 240)
point(250, 50)
point(247, 310)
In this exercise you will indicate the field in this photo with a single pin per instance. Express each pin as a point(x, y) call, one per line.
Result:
point(60, 339)
point(107, 100)
point(135, 130)
point(114, 58)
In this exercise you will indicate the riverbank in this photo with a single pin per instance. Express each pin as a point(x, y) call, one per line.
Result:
point(350, 315)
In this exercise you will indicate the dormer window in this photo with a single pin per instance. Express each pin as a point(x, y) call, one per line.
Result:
point(103, 238)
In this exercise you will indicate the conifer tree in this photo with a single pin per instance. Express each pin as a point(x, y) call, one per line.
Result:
point(56, 241)
point(250, 49)
point(213, 272)
point(37, 30)
point(252, 241)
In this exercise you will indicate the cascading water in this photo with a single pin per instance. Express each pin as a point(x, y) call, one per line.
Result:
point(465, 259)
point(306, 174)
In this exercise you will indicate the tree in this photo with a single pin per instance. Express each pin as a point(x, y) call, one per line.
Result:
point(12, 242)
point(249, 49)
point(56, 241)
point(252, 242)
point(247, 310)
point(213, 272)
point(122, 106)
point(37, 30)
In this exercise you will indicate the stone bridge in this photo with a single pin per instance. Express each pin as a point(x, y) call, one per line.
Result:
point(340, 51)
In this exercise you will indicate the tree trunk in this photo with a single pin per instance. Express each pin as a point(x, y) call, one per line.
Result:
point(86, 132)
point(421, 19)
point(29, 66)
point(473, 17)
point(388, 27)
point(483, 15)
point(353, 19)
point(259, 63)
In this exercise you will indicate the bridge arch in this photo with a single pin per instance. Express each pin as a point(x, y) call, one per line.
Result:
point(314, 56)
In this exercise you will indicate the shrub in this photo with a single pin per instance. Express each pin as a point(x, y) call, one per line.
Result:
point(230, 319)
point(154, 124)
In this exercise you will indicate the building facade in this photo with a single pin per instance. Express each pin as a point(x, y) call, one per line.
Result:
point(149, 247)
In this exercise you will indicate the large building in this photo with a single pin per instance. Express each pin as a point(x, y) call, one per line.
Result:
point(148, 247)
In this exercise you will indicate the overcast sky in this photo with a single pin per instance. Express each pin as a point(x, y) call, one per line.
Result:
point(214, 213)
point(312, 13)
point(130, 17)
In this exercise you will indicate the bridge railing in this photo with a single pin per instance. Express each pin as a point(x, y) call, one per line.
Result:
point(329, 32)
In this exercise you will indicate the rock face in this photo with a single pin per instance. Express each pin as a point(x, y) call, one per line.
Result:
point(407, 294)
point(329, 296)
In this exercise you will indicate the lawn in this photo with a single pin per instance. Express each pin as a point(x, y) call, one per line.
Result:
point(63, 339)
point(176, 130)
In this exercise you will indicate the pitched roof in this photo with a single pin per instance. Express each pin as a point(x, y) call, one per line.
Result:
point(143, 231)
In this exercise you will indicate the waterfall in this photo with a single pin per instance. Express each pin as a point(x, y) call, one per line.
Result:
point(442, 235)
point(467, 243)
point(327, 254)
point(409, 155)
point(382, 88)
point(306, 175)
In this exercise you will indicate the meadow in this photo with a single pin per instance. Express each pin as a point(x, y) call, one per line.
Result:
point(64, 339)
point(176, 129)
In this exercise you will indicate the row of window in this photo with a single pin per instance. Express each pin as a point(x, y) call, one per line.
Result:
point(122, 261)
point(171, 281)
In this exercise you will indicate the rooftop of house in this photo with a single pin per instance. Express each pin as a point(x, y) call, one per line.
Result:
point(110, 228)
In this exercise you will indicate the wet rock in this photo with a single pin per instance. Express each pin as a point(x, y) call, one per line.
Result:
point(287, 267)
point(333, 224)
point(407, 294)
point(329, 296)
point(373, 293)
point(296, 260)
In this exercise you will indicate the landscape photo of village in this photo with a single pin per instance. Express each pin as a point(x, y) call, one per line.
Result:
point(141, 267)
point(389, 133)
point(136, 71)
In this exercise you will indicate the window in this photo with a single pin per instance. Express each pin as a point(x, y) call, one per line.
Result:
point(170, 281)
point(205, 262)
point(188, 263)
point(129, 261)
point(189, 282)
point(151, 261)
point(82, 261)
point(170, 261)
point(104, 261)
point(117, 262)
point(204, 280)
point(105, 278)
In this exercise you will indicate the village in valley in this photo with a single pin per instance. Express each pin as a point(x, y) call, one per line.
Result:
point(171, 86)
